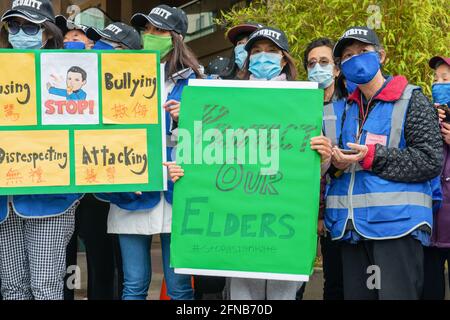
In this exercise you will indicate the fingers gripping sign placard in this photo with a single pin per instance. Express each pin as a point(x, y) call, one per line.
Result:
point(77, 121)
point(129, 89)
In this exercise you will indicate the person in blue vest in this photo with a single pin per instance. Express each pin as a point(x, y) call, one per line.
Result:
point(34, 229)
point(137, 217)
point(380, 206)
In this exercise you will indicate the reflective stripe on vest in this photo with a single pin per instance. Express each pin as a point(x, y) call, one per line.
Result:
point(380, 199)
point(398, 115)
point(330, 119)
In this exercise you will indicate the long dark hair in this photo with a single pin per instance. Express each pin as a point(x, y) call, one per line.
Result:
point(181, 57)
point(55, 39)
point(289, 69)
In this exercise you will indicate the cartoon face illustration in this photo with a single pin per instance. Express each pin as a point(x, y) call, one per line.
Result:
point(76, 79)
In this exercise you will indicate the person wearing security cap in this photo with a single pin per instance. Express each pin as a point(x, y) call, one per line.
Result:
point(34, 229)
point(74, 34)
point(438, 253)
point(238, 36)
point(268, 60)
point(116, 36)
point(390, 148)
point(268, 56)
point(136, 217)
point(30, 25)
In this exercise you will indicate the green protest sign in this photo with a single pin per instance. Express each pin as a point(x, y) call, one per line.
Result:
point(80, 121)
point(248, 202)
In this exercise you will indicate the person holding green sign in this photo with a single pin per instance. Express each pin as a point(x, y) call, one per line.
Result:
point(381, 204)
point(136, 217)
point(34, 229)
point(268, 60)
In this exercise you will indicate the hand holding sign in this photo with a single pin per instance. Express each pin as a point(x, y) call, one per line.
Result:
point(175, 171)
point(173, 107)
point(323, 146)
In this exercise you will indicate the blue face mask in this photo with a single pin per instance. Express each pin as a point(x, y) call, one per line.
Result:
point(74, 45)
point(265, 65)
point(441, 93)
point(101, 45)
point(361, 68)
point(23, 41)
point(241, 55)
point(351, 86)
point(323, 75)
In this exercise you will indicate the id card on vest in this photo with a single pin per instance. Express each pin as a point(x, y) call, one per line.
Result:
point(372, 138)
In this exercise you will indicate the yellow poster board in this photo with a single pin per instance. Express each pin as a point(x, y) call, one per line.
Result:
point(111, 157)
point(129, 90)
point(34, 158)
point(18, 90)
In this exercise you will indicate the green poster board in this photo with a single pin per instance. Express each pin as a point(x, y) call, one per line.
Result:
point(247, 216)
point(80, 121)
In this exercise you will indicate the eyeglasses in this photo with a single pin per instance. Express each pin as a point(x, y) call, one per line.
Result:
point(323, 63)
point(30, 29)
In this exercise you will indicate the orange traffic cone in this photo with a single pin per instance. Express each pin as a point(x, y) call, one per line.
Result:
point(163, 294)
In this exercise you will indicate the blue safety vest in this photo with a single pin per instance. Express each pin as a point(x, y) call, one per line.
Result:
point(131, 201)
point(377, 208)
point(332, 119)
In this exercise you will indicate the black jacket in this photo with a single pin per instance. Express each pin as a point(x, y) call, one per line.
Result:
point(422, 158)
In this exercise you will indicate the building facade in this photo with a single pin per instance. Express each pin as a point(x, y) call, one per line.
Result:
point(205, 37)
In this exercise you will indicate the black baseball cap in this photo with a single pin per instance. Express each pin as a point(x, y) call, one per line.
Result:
point(363, 34)
point(244, 29)
point(117, 32)
point(35, 11)
point(163, 17)
point(276, 36)
point(68, 25)
point(219, 65)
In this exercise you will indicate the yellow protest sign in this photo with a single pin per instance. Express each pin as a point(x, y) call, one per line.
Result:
point(129, 88)
point(111, 157)
point(34, 158)
point(17, 90)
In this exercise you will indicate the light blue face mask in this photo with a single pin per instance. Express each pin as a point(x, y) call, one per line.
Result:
point(240, 55)
point(21, 40)
point(265, 65)
point(322, 75)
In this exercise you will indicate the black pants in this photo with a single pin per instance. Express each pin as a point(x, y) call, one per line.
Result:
point(434, 274)
point(333, 286)
point(104, 265)
point(400, 265)
point(208, 288)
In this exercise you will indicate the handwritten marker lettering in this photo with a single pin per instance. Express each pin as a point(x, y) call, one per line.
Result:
point(128, 83)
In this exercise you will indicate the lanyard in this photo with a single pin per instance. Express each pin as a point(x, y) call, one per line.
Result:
point(365, 115)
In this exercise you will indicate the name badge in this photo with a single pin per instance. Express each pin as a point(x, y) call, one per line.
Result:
point(372, 138)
